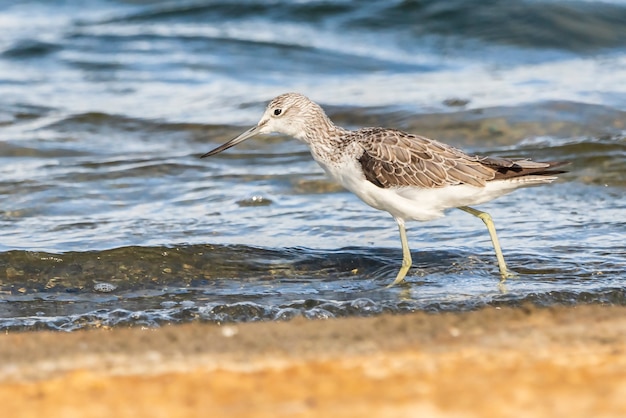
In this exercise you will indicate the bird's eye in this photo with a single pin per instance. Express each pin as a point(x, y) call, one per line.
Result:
point(278, 112)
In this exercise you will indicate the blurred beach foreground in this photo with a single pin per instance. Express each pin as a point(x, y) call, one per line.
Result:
point(508, 362)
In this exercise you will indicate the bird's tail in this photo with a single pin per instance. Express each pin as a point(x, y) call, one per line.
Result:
point(510, 169)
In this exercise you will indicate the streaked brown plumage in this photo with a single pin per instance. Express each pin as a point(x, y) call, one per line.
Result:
point(392, 158)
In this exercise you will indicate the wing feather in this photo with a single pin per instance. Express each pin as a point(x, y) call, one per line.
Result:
point(392, 158)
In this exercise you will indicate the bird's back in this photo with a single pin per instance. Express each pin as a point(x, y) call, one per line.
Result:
point(392, 158)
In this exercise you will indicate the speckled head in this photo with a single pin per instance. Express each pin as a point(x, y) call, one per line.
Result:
point(291, 114)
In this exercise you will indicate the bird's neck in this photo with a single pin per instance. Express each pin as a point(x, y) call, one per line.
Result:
point(321, 130)
point(329, 146)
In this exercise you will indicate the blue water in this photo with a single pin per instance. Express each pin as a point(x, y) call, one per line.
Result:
point(109, 217)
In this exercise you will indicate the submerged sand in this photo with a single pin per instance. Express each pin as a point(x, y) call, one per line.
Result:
point(562, 361)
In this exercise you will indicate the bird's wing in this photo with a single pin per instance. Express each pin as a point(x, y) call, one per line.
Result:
point(392, 158)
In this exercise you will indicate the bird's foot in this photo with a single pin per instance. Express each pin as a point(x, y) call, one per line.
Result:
point(507, 274)
point(401, 275)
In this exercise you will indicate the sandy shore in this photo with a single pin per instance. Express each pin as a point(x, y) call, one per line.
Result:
point(494, 362)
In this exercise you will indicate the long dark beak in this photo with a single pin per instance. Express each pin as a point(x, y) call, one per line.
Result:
point(247, 134)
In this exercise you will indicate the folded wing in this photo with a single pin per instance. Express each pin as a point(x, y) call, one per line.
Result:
point(392, 158)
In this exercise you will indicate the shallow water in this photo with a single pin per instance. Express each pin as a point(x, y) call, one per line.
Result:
point(109, 218)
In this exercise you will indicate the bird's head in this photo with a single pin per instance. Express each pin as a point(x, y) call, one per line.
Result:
point(290, 114)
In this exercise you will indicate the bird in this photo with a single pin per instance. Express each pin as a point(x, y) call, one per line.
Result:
point(411, 177)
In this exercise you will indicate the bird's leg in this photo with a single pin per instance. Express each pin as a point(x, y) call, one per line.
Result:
point(486, 218)
point(406, 254)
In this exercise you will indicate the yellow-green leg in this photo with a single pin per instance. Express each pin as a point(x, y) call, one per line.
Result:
point(406, 254)
point(486, 218)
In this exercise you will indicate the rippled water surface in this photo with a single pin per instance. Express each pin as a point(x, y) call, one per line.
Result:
point(109, 218)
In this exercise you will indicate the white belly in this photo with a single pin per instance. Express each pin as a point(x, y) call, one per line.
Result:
point(421, 204)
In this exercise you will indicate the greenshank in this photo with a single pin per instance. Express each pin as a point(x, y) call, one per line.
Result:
point(412, 177)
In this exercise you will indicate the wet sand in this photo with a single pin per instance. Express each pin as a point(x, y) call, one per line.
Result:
point(562, 361)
